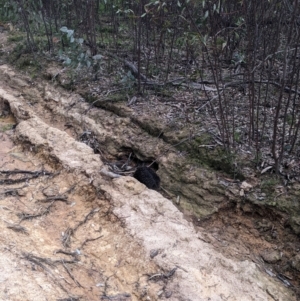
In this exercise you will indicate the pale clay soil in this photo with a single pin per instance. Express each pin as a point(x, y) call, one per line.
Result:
point(72, 233)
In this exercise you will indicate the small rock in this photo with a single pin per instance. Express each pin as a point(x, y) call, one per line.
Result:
point(154, 253)
point(51, 191)
point(296, 186)
point(271, 257)
point(51, 97)
point(119, 297)
point(22, 192)
point(246, 186)
point(274, 234)
point(19, 82)
point(160, 293)
point(296, 262)
point(247, 208)
point(254, 232)
point(231, 230)
point(234, 191)
point(264, 225)
point(294, 222)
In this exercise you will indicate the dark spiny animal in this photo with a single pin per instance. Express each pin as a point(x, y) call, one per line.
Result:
point(148, 177)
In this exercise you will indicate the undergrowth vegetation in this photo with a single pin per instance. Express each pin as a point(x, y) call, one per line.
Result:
point(238, 62)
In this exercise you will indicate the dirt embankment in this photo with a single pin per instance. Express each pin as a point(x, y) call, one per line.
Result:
point(70, 233)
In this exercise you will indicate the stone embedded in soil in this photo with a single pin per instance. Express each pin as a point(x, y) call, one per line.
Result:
point(295, 224)
point(295, 262)
point(271, 257)
point(247, 208)
point(246, 186)
point(234, 191)
point(51, 190)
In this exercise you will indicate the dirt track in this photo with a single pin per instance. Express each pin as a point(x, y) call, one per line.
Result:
point(71, 233)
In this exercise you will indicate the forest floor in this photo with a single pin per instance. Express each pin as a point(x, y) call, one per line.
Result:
point(69, 232)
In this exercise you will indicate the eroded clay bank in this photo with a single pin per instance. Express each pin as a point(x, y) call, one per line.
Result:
point(72, 233)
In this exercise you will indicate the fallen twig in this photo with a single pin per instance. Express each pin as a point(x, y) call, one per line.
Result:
point(69, 273)
point(70, 231)
point(18, 228)
point(160, 276)
point(42, 263)
point(109, 174)
point(74, 254)
point(67, 237)
point(34, 174)
point(54, 198)
point(24, 216)
point(91, 213)
point(88, 240)
point(38, 261)
point(119, 297)
point(10, 192)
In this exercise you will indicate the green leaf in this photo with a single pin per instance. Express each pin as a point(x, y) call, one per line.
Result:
point(206, 15)
point(70, 33)
point(64, 29)
point(68, 61)
point(97, 57)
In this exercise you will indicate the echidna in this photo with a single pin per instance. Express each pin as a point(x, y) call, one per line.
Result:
point(148, 177)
